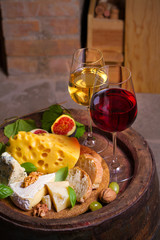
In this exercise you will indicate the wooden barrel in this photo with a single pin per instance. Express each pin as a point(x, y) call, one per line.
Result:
point(134, 215)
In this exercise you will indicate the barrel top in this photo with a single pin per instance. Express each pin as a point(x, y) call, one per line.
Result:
point(140, 163)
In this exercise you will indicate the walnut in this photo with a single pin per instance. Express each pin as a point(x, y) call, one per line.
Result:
point(30, 179)
point(107, 195)
point(40, 210)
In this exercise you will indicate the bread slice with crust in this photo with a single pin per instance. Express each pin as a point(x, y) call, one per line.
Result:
point(93, 167)
point(80, 181)
point(84, 149)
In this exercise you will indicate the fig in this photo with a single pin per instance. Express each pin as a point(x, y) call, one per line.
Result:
point(64, 125)
point(38, 131)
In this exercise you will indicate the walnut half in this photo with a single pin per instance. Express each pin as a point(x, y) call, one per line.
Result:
point(107, 195)
point(40, 210)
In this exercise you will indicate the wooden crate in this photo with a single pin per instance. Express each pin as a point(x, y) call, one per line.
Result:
point(142, 48)
point(106, 35)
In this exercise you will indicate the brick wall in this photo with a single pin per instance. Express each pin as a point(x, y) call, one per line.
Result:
point(40, 35)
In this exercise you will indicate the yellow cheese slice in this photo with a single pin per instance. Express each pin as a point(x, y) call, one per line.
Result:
point(48, 152)
point(59, 194)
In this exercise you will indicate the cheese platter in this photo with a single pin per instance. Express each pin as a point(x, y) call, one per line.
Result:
point(79, 219)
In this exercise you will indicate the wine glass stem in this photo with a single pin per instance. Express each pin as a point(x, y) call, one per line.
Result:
point(90, 132)
point(89, 141)
point(114, 144)
point(114, 164)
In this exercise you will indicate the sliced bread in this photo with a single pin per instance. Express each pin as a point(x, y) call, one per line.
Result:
point(84, 149)
point(80, 181)
point(93, 167)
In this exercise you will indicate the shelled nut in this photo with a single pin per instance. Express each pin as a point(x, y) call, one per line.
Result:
point(107, 195)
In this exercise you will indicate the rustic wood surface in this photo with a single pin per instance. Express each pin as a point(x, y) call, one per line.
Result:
point(133, 215)
point(142, 49)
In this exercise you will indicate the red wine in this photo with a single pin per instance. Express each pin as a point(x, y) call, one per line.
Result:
point(114, 109)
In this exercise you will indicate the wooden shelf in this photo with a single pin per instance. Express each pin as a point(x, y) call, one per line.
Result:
point(106, 35)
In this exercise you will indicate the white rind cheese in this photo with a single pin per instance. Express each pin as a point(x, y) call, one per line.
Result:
point(28, 197)
point(10, 170)
point(59, 195)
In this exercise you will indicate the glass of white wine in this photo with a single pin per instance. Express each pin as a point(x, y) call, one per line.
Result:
point(84, 67)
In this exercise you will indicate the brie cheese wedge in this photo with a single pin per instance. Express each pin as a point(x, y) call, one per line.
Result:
point(28, 197)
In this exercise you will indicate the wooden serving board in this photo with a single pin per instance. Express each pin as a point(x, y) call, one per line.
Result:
point(133, 215)
point(7, 206)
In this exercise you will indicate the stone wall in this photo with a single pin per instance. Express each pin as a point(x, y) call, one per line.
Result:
point(40, 35)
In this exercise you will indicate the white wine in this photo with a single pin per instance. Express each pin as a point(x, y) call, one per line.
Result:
point(81, 84)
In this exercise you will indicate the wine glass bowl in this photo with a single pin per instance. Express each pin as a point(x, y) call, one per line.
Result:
point(81, 85)
point(85, 65)
point(114, 108)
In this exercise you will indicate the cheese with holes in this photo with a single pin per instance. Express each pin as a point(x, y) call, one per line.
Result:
point(10, 170)
point(48, 152)
point(59, 195)
point(28, 197)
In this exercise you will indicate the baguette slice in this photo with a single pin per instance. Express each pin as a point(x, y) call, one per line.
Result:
point(84, 149)
point(93, 167)
point(80, 181)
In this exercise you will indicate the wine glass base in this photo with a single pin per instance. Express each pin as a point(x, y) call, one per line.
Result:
point(118, 171)
point(97, 142)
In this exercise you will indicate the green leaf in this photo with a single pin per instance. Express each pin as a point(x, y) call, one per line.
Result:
point(61, 174)
point(2, 147)
point(20, 125)
point(80, 129)
point(26, 125)
point(79, 124)
point(11, 129)
point(29, 167)
point(49, 116)
point(72, 196)
point(5, 191)
point(56, 108)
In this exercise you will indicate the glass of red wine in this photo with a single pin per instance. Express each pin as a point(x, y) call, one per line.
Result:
point(113, 108)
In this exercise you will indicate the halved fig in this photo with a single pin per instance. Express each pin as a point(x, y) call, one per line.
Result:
point(39, 131)
point(64, 125)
